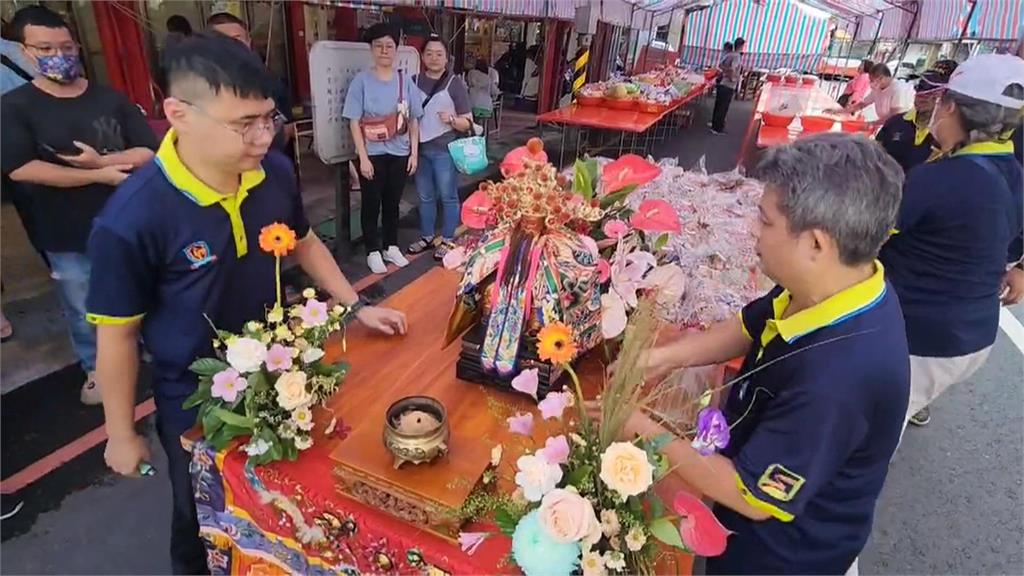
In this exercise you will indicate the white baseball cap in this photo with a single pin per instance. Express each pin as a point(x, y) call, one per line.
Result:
point(987, 76)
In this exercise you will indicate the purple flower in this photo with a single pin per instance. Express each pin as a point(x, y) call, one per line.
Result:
point(521, 423)
point(227, 384)
point(314, 313)
point(279, 358)
point(555, 450)
point(712, 432)
point(526, 382)
point(470, 541)
point(554, 404)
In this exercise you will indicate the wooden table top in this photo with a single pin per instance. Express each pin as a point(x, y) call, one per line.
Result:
point(385, 369)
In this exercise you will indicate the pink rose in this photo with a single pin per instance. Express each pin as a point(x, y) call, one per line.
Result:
point(567, 516)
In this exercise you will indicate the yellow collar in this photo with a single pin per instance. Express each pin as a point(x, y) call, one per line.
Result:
point(985, 148)
point(920, 134)
point(838, 307)
point(169, 161)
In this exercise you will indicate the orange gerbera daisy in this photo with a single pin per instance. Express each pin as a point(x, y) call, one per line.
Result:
point(555, 344)
point(277, 239)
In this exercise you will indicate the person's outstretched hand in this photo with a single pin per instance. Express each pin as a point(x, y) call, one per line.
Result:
point(383, 320)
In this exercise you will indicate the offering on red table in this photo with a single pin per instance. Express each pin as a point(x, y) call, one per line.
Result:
point(817, 123)
point(776, 120)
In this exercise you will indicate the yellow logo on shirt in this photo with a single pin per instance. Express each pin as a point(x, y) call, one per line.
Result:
point(780, 483)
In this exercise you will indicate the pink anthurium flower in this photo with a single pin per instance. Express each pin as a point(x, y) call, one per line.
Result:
point(604, 270)
point(656, 216)
point(700, 531)
point(615, 229)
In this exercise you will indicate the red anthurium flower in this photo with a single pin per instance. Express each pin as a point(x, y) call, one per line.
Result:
point(628, 170)
point(656, 216)
point(701, 532)
point(476, 209)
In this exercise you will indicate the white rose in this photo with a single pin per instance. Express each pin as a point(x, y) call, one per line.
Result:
point(626, 469)
point(246, 354)
point(311, 355)
point(291, 390)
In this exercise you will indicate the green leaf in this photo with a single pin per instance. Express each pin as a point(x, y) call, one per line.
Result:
point(226, 434)
point(665, 531)
point(506, 521)
point(660, 242)
point(656, 505)
point(229, 417)
point(202, 394)
point(577, 476)
point(258, 381)
point(290, 451)
point(614, 198)
point(211, 423)
point(583, 178)
point(636, 506)
point(208, 366)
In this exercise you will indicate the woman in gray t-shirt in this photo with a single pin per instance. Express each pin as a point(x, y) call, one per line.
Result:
point(446, 113)
point(384, 164)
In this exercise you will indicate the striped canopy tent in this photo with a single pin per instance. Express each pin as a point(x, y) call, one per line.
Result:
point(779, 33)
point(559, 9)
point(935, 21)
point(639, 14)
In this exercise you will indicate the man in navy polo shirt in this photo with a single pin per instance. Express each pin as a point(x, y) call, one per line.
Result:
point(178, 242)
point(814, 428)
point(905, 136)
point(957, 250)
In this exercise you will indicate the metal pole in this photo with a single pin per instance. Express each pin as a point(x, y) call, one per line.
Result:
point(963, 29)
point(342, 210)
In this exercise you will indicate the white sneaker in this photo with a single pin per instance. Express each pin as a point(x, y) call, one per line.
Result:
point(394, 255)
point(376, 263)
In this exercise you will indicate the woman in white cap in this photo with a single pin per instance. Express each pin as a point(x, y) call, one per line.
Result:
point(956, 252)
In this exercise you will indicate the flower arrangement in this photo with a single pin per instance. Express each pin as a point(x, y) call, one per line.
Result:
point(584, 498)
point(266, 379)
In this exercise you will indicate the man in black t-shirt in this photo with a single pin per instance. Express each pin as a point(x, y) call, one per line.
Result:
point(68, 142)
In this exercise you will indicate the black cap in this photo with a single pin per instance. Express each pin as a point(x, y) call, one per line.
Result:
point(931, 80)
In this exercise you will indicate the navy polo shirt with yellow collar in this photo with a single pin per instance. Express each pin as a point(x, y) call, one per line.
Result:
point(814, 428)
point(960, 223)
point(908, 144)
point(172, 251)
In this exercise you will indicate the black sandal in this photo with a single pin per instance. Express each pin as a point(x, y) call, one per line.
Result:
point(421, 245)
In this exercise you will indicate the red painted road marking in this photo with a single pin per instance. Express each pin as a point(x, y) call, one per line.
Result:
point(94, 437)
point(65, 454)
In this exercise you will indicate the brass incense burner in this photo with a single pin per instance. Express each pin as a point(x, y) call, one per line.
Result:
point(416, 430)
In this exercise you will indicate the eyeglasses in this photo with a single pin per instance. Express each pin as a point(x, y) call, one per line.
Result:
point(250, 131)
point(68, 49)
